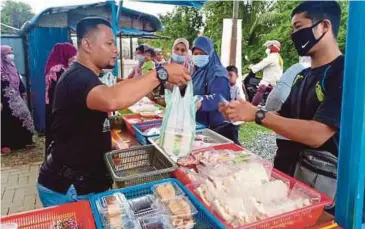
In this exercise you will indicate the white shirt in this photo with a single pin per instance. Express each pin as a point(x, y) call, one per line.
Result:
point(237, 92)
point(270, 66)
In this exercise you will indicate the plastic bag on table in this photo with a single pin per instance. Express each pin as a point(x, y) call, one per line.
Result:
point(178, 126)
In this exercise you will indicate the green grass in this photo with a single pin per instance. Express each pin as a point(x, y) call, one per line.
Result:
point(250, 131)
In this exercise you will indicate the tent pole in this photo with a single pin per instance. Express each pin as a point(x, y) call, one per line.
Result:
point(351, 170)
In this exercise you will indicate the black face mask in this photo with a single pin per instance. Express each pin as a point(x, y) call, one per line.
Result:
point(304, 39)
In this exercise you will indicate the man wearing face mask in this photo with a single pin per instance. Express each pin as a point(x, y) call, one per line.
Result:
point(271, 67)
point(310, 117)
point(75, 168)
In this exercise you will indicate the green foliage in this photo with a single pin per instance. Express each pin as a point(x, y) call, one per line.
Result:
point(261, 21)
point(14, 14)
point(182, 22)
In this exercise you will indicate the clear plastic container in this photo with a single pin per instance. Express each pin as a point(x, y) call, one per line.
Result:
point(156, 222)
point(115, 212)
point(116, 200)
point(145, 205)
point(166, 191)
point(180, 206)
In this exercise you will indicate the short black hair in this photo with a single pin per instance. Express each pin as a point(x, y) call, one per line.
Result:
point(151, 52)
point(84, 26)
point(232, 68)
point(320, 10)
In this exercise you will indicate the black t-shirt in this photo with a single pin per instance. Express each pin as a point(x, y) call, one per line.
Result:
point(319, 92)
point(81, 135)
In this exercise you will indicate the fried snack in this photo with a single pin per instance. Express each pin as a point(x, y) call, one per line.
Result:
point(166, 191)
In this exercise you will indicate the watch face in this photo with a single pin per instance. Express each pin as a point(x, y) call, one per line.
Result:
point(162, 74)
point(260, 114)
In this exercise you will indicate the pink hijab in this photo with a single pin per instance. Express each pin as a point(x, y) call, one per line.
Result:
point(58, 60)
point(8, 69)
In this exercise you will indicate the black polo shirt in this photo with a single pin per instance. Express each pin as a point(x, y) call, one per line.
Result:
point(316, 95)
point(81, 135)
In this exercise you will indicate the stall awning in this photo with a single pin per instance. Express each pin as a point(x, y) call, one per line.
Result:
point(68, 16)
point(196, 4)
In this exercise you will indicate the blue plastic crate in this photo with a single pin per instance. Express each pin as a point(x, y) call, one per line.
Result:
point(204, 219)
point(142, 138)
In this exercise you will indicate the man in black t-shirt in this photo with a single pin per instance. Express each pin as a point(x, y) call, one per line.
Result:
point(311, 115)
point(75, 168)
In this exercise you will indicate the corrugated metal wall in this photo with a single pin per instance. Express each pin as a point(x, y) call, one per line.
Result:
point(16, 42)
point(41, 42)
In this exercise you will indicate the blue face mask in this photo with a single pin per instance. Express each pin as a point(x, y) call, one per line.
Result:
point(200, 60)
point(178, 58)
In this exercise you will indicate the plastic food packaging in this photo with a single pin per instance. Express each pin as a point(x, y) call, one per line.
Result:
point(180, 212)
point(69, 223)
point(166, 191)
point(143, 205)
point(155, 222)
point(116, 212)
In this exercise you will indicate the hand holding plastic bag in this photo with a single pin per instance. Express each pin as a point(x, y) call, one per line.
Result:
point(178, 125)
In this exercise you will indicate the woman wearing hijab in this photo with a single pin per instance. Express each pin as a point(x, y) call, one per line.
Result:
point(16, 121)
point(160, 57)
point(139, 56)
point(62, 55)
point(210, 80)
point(180, 53)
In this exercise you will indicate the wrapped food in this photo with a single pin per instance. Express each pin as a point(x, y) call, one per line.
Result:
point(155, 222)
point(180, 211)
point(257, 197)
point(142, 205)
point(115, 212)
point(69, 223)
point(166, 191)
point(152, 131)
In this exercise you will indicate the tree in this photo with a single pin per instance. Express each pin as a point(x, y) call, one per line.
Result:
point(183, 22)
point(262, 21)
point(14, 14)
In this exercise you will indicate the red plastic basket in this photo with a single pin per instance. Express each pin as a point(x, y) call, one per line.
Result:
point(44, 218)
point(129, 123)
point(301, 218)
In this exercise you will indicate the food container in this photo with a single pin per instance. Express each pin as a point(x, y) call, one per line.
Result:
point(207, 139)
point(132, 119)
point(144, 205)
point(155, 222)
point(180, 212)
point(138, 165)
point(142, 136)
point(300, 218)
point(203, 219)
point(167, 190)
point(46, 217)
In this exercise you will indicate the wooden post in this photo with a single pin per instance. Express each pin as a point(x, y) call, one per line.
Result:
point(233, 47)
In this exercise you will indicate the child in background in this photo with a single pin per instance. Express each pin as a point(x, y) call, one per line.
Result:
point(148, 64)
point(236, 87)
point(236, 94)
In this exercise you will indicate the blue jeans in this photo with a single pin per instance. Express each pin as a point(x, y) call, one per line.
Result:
point(52, 198)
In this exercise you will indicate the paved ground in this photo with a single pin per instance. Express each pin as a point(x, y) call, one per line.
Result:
point(18, 189)
point(19, 172)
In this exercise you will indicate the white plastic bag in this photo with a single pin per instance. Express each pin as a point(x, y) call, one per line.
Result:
point(178, 125)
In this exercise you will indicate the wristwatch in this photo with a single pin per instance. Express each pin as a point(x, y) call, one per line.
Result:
point(260, 115)
point(162, 74)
